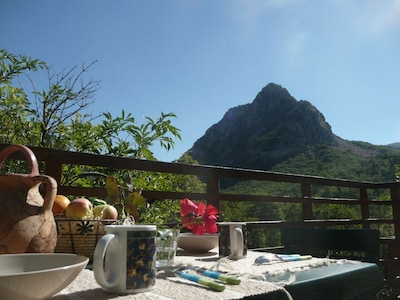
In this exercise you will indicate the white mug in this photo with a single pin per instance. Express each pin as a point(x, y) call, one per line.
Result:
point(124, 260)
point(232, 239)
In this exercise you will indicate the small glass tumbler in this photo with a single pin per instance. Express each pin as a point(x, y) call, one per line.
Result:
point(167, 243)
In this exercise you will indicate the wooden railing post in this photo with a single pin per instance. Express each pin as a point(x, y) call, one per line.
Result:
point(394, 248)
point(306, 206)
point(213, 189)
point(364, 207)
point(54, 169)
point(395, 196)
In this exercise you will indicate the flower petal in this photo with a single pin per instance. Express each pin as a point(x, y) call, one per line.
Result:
point(201, 210)
point(188, 207)
point(199, 217)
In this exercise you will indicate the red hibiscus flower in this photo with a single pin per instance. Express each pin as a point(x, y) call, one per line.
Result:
point(199, 217)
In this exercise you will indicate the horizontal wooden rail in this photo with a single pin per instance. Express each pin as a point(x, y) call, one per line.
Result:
point(54, 160)
point(54, 157)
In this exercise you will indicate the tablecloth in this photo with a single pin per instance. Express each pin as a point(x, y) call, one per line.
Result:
point(170, 287)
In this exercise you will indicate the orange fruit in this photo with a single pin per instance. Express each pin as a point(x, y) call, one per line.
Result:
point(60, 203)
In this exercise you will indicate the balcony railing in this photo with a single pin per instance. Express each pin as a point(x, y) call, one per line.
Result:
point(54, 160)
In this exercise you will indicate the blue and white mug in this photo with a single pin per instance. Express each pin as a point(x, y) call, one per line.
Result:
point(124, 260)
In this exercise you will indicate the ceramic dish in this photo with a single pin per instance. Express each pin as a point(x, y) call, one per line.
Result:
point(37, 275)
point(197, 243)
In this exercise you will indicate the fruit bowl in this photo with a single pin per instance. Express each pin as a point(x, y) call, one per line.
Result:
point(197, 243)
point(79, 236)
point(37, 275)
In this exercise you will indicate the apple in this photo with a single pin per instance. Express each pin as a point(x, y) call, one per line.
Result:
point(80, 208)
point(60, 204)
point(105, 212)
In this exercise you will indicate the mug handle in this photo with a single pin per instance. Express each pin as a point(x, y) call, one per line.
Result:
point(98, 262)
point(238, 252)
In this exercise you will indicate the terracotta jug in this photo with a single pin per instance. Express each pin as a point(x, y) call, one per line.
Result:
point(26, 220)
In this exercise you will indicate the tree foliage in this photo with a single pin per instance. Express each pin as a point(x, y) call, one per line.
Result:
point(319, 160)
point(57, 117)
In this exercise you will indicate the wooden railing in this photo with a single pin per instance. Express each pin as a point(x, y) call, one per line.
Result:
point(54, 160)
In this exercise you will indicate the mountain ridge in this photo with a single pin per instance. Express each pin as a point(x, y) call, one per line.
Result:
point(273, 129)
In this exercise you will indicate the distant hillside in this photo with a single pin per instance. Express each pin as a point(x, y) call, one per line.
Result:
point(276, 132)
point(395, 145)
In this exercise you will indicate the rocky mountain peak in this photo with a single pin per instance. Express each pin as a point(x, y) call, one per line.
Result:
point(274, 127)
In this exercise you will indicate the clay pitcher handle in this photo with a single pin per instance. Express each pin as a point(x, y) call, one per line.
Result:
point(30, 157)
point(51, 190)
point(51, 183)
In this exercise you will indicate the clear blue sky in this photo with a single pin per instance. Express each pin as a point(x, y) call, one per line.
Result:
point(198, 58)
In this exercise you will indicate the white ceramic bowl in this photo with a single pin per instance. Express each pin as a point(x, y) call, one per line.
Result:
point(37, 275)
point(197, 243)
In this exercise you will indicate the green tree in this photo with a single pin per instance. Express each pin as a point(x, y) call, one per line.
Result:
point(14, 103)
point(56, 117)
